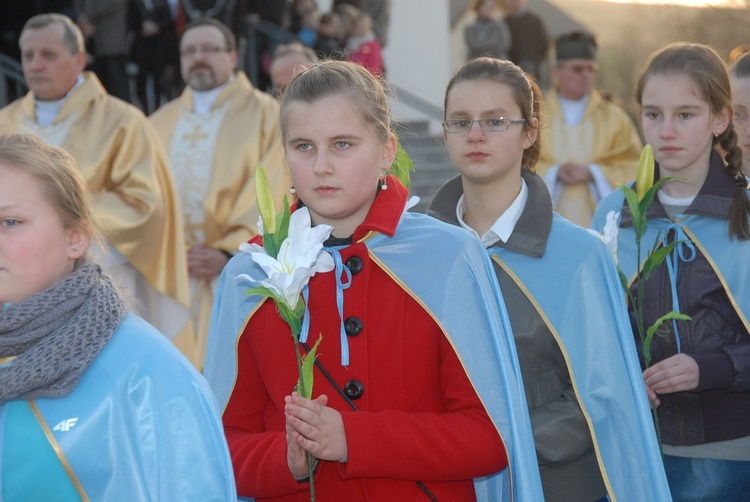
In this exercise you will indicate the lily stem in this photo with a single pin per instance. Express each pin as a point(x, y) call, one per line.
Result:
point(302, 392)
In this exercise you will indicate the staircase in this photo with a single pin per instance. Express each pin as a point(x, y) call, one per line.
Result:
point(432, 164)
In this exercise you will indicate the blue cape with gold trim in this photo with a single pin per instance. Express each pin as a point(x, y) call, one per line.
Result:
point(141, 424)
point(576, 291)
point(728, 257)
point(421, 249)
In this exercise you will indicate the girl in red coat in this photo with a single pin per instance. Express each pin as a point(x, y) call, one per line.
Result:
point(412, 330)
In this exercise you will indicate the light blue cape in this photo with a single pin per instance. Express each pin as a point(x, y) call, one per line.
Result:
point(450, 275)
point(729, 258)
point(575, 289)
point(140, 425)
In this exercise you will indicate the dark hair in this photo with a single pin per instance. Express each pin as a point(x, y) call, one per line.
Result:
point(229, 38)
point(709, 75)
point(345, 79)
point(741, 66)
point(526, 94)
point(72, 36)
point(575, 45)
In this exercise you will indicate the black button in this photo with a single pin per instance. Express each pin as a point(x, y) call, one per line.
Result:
point(353, 326)
point(354, 264)
point(354, 389)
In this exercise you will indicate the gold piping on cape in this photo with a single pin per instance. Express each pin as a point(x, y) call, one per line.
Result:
point(416, 298)
point(555, 334)
point(723, 281)
point(58, 451)
point(236, 351)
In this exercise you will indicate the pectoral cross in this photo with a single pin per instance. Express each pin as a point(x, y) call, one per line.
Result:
point(195, 136)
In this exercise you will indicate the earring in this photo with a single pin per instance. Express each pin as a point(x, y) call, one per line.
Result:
point(292, 190)
point(75, 250)
point(384, 184)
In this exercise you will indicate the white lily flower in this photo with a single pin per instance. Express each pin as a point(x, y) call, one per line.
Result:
point(301, 256)
point(609, 233)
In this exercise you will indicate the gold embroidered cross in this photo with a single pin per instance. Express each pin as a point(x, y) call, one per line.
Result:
point(196, 136)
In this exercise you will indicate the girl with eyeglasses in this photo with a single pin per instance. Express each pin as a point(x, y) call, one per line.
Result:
point(589, 414)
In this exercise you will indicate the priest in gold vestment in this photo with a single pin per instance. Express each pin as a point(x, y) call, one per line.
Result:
point(590, 145)
point(217, 133)
point(119, 155)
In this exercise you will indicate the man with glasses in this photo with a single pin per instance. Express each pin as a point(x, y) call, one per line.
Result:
point(590, 144)
point(119, 155)
point(217, 133)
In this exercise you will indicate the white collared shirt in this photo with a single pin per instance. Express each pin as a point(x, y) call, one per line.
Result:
point(46, 111)
point(574, 109)
point(204, 100)
point(504, 225)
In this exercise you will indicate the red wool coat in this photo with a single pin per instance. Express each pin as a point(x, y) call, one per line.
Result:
point(419, 418)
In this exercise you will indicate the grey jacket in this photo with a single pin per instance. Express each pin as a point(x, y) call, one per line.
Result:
point(565, 451)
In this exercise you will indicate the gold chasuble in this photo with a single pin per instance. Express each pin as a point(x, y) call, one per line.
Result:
point(213, 157)
point(606, 137)
point(133, 198)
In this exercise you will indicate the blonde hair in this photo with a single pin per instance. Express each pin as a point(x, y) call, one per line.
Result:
point(345, 79)
point(59, 177)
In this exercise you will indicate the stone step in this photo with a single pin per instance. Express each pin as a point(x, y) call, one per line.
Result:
point(432, 167)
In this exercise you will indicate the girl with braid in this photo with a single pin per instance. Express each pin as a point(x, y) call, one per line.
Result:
point(699, 380)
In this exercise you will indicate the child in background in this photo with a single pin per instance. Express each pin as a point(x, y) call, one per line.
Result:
point(362, 46)
point(328, 42)
point(700, 375)
point(308, 32)
point(488, 35)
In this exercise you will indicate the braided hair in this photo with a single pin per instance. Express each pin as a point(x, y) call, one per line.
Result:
point(711, 79)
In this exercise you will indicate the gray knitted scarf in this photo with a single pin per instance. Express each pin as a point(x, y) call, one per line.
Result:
point(56, 334)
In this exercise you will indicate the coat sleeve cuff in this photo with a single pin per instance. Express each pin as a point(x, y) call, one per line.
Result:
point(715, 371)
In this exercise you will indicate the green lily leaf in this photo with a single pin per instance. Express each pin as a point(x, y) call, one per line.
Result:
point(283, 219)
point(624, 281)
point(289, 317)
point(656, 258)
point(402, 164)
point(305, 384)
point(639, 218)
point(648, 198)
point(260, 291)
point(655, 328)
point(270, 244)
point(292, 318)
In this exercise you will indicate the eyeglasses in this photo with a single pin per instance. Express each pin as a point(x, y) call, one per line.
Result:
point(208, 50)
point(579, 69)
point(490, 124)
